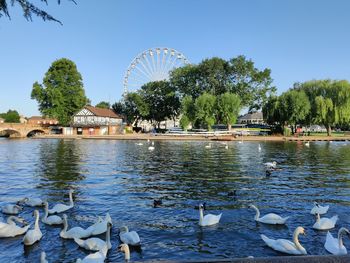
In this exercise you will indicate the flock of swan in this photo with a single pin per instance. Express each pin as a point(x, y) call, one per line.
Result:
point(82, 237)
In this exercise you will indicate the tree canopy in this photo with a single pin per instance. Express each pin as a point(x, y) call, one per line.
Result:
point(11, 116)
point(62, 93)
point(103, 104)
point(229, 105)
point(29, 9)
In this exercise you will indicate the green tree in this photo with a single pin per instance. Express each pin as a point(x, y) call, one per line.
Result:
point(206, 110)
point(188, 112)
point(11, 116)
point(103, 105)
point(62, 92)
point(294, 107)
point(162, 101)
point(184, 122)
point(252, 85)
point(229, 105)
point(271, 111)
point(28, 8)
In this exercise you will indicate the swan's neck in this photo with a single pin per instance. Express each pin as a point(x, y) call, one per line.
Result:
point(65, 224)
point(340, 238)
point(11, 221)
point(127, 253)
point(71, 199)
point(36, 226)
point(108, 237)
point(46, 212)
point(318, 218)
point(200, 216)
point(257, 215)
point(296, 241)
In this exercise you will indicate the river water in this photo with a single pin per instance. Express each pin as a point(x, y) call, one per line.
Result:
point(123, 178)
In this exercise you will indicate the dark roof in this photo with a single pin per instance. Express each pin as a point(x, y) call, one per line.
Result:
point(252, 116)
point(100, 112)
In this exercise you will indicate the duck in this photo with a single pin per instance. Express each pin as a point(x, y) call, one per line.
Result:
point(286, 246)
point(130, 238)
point(100, 225)
point(335, 245)
point(75, 232)
point(209, 219)
point(208, 146)
point(11, 209)
point(271, 165)
point(35, 234)
point(10, 229)
point(125, 248)
point(59, 208)
point(51, 220)
point(232, 193)
point(271, 218)
point(43, 257)
point(95, 243)
point(318, 209)
point(325, 223)
point(31, 202)
point(97, 257)
point(157, 203)
point(268, 172)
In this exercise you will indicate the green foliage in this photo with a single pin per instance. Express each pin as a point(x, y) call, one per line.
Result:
point(185, 122)
point(162, 101)
point(62, 92)
point(271, 111)
point(217, 76)
point(29, 9)
point(206, 110)
point(11, 116)
point(103, 105)
point(229, 105)
point(188, 108)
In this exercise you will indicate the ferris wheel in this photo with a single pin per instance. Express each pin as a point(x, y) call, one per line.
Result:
point(152, 65)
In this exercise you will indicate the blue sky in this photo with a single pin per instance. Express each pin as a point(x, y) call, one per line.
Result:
point(298, 40)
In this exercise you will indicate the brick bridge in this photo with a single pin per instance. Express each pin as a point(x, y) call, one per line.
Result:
point(21, 130)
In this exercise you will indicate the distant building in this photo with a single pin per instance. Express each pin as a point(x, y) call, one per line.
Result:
point(43, 121)
point(22, 119)
point(252, 118)
point(2, 120)
point(96, 121)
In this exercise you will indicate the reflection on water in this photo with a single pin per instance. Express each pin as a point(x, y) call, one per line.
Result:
point(123, 179)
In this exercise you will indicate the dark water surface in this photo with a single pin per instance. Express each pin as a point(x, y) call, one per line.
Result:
point(123, 179)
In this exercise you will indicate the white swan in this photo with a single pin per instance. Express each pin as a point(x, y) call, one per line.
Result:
point(100, 225)
point(270, 218)
point(317, 209)
point(35, 234)
point(98, 257)
point(151, 148)
point(11, 209)
point(95, 243)
point(325, 223)
point(51, 220)
point(139, 143)
point(259, 148)
point(208, 146)
point(59, 208)
point(43, 257)
point(271, 165)
point(125, 248)
point(307, 144)
point(75, 232)
point(209, 219)
point(335, 245)
point(130, 238)
point(286, 246)
point(31, 201)
point(10, 229)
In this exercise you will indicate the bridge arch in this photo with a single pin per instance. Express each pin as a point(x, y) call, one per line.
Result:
point(33, 132)
point(8, 132)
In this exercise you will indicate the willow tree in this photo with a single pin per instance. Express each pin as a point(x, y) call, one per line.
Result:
point(62, 92)
point(206, 110)
point(229, 105)
point(188, 112)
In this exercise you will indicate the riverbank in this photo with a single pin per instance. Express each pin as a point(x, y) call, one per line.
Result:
point(176, 137)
